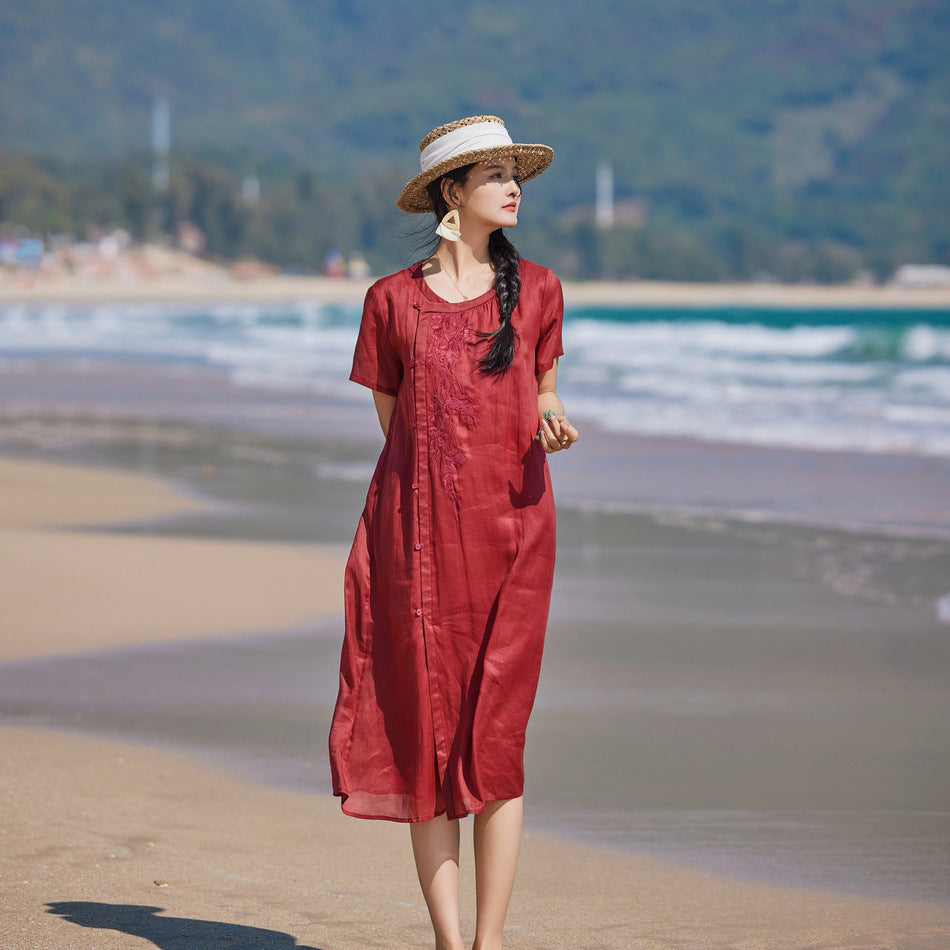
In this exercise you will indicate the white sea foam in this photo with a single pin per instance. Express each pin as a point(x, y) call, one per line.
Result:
point(924, 343)
point(709, 336)
point(873, 386)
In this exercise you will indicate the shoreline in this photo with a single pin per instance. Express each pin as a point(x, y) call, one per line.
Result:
point(126, 842)
point(177, 809)
point(100, 495)
point(631, 293)
point(110, 412)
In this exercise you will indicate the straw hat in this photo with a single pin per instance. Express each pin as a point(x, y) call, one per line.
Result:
point(464, 142)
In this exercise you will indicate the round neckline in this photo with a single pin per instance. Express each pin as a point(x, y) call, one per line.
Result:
point(433, 297)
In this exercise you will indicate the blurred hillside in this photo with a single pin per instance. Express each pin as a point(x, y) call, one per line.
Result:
point(805, 139)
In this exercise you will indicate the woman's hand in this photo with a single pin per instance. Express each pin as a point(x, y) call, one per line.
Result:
point(555, 432)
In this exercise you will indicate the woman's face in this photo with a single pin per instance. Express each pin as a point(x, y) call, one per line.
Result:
point(491, 195)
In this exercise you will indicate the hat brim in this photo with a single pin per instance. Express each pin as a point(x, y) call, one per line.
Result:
point(532, 160)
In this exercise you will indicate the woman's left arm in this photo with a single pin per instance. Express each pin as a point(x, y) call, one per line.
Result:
point(554, 430)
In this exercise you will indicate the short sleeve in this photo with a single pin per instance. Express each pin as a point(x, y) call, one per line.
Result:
point(376, 363)
point(550, 346)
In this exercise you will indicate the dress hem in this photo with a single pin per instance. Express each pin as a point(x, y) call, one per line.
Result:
point(412, 821)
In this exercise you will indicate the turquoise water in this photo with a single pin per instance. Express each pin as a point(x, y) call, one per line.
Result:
point(870, 380)
point(863, 380)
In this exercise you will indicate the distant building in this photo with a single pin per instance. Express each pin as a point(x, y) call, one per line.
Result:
point(922, 275)
point(357, 268)
point(191, 238)
point(334, 264)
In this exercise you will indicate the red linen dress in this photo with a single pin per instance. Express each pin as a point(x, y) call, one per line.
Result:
point(448, 582)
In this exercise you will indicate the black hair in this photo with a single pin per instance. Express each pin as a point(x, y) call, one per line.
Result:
point(504, 259)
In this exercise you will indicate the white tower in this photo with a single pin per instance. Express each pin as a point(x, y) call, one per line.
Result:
point(604, 202)
point(161, 142)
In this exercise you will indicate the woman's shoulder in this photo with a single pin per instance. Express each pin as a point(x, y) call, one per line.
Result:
point(536, 275)
point(538, 280)
point(392, 285)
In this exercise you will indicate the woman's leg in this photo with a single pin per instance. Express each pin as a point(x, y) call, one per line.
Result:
point(497, 839)
point(435, 846)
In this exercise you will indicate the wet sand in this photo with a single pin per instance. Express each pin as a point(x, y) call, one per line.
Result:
point(778, 671)
point(109, 845)
point(173, 420)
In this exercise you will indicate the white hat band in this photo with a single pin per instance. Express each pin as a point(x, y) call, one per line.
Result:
point(468, 138)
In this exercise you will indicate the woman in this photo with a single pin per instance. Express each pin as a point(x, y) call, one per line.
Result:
point(449, 579)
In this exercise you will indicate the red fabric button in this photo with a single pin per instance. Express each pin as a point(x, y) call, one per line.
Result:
point(418, 611)
point(418, 547)
point(415, 486)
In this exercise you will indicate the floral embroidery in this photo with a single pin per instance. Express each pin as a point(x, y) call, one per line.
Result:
point(450, 404)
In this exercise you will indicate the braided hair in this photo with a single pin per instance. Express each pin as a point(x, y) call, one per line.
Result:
point(504, 259)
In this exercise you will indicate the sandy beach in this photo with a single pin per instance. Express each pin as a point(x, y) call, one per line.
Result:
point(66, 590)
point(111, 845)
point(645, 293)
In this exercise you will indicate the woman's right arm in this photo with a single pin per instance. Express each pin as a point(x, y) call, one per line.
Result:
point(385, 404)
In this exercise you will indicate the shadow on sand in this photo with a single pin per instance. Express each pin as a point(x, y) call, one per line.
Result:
point(172, 933)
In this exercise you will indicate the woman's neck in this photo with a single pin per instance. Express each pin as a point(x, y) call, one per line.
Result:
point(459, 271)
point(463, 258)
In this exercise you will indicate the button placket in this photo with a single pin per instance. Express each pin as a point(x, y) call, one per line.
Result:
point(426, 612)
point(419, 409)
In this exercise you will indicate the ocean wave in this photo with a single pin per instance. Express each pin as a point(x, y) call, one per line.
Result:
point(638, 342)
point(868, 387)
point(801, 379)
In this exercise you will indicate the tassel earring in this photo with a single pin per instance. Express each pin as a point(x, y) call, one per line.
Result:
point(450, 227)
